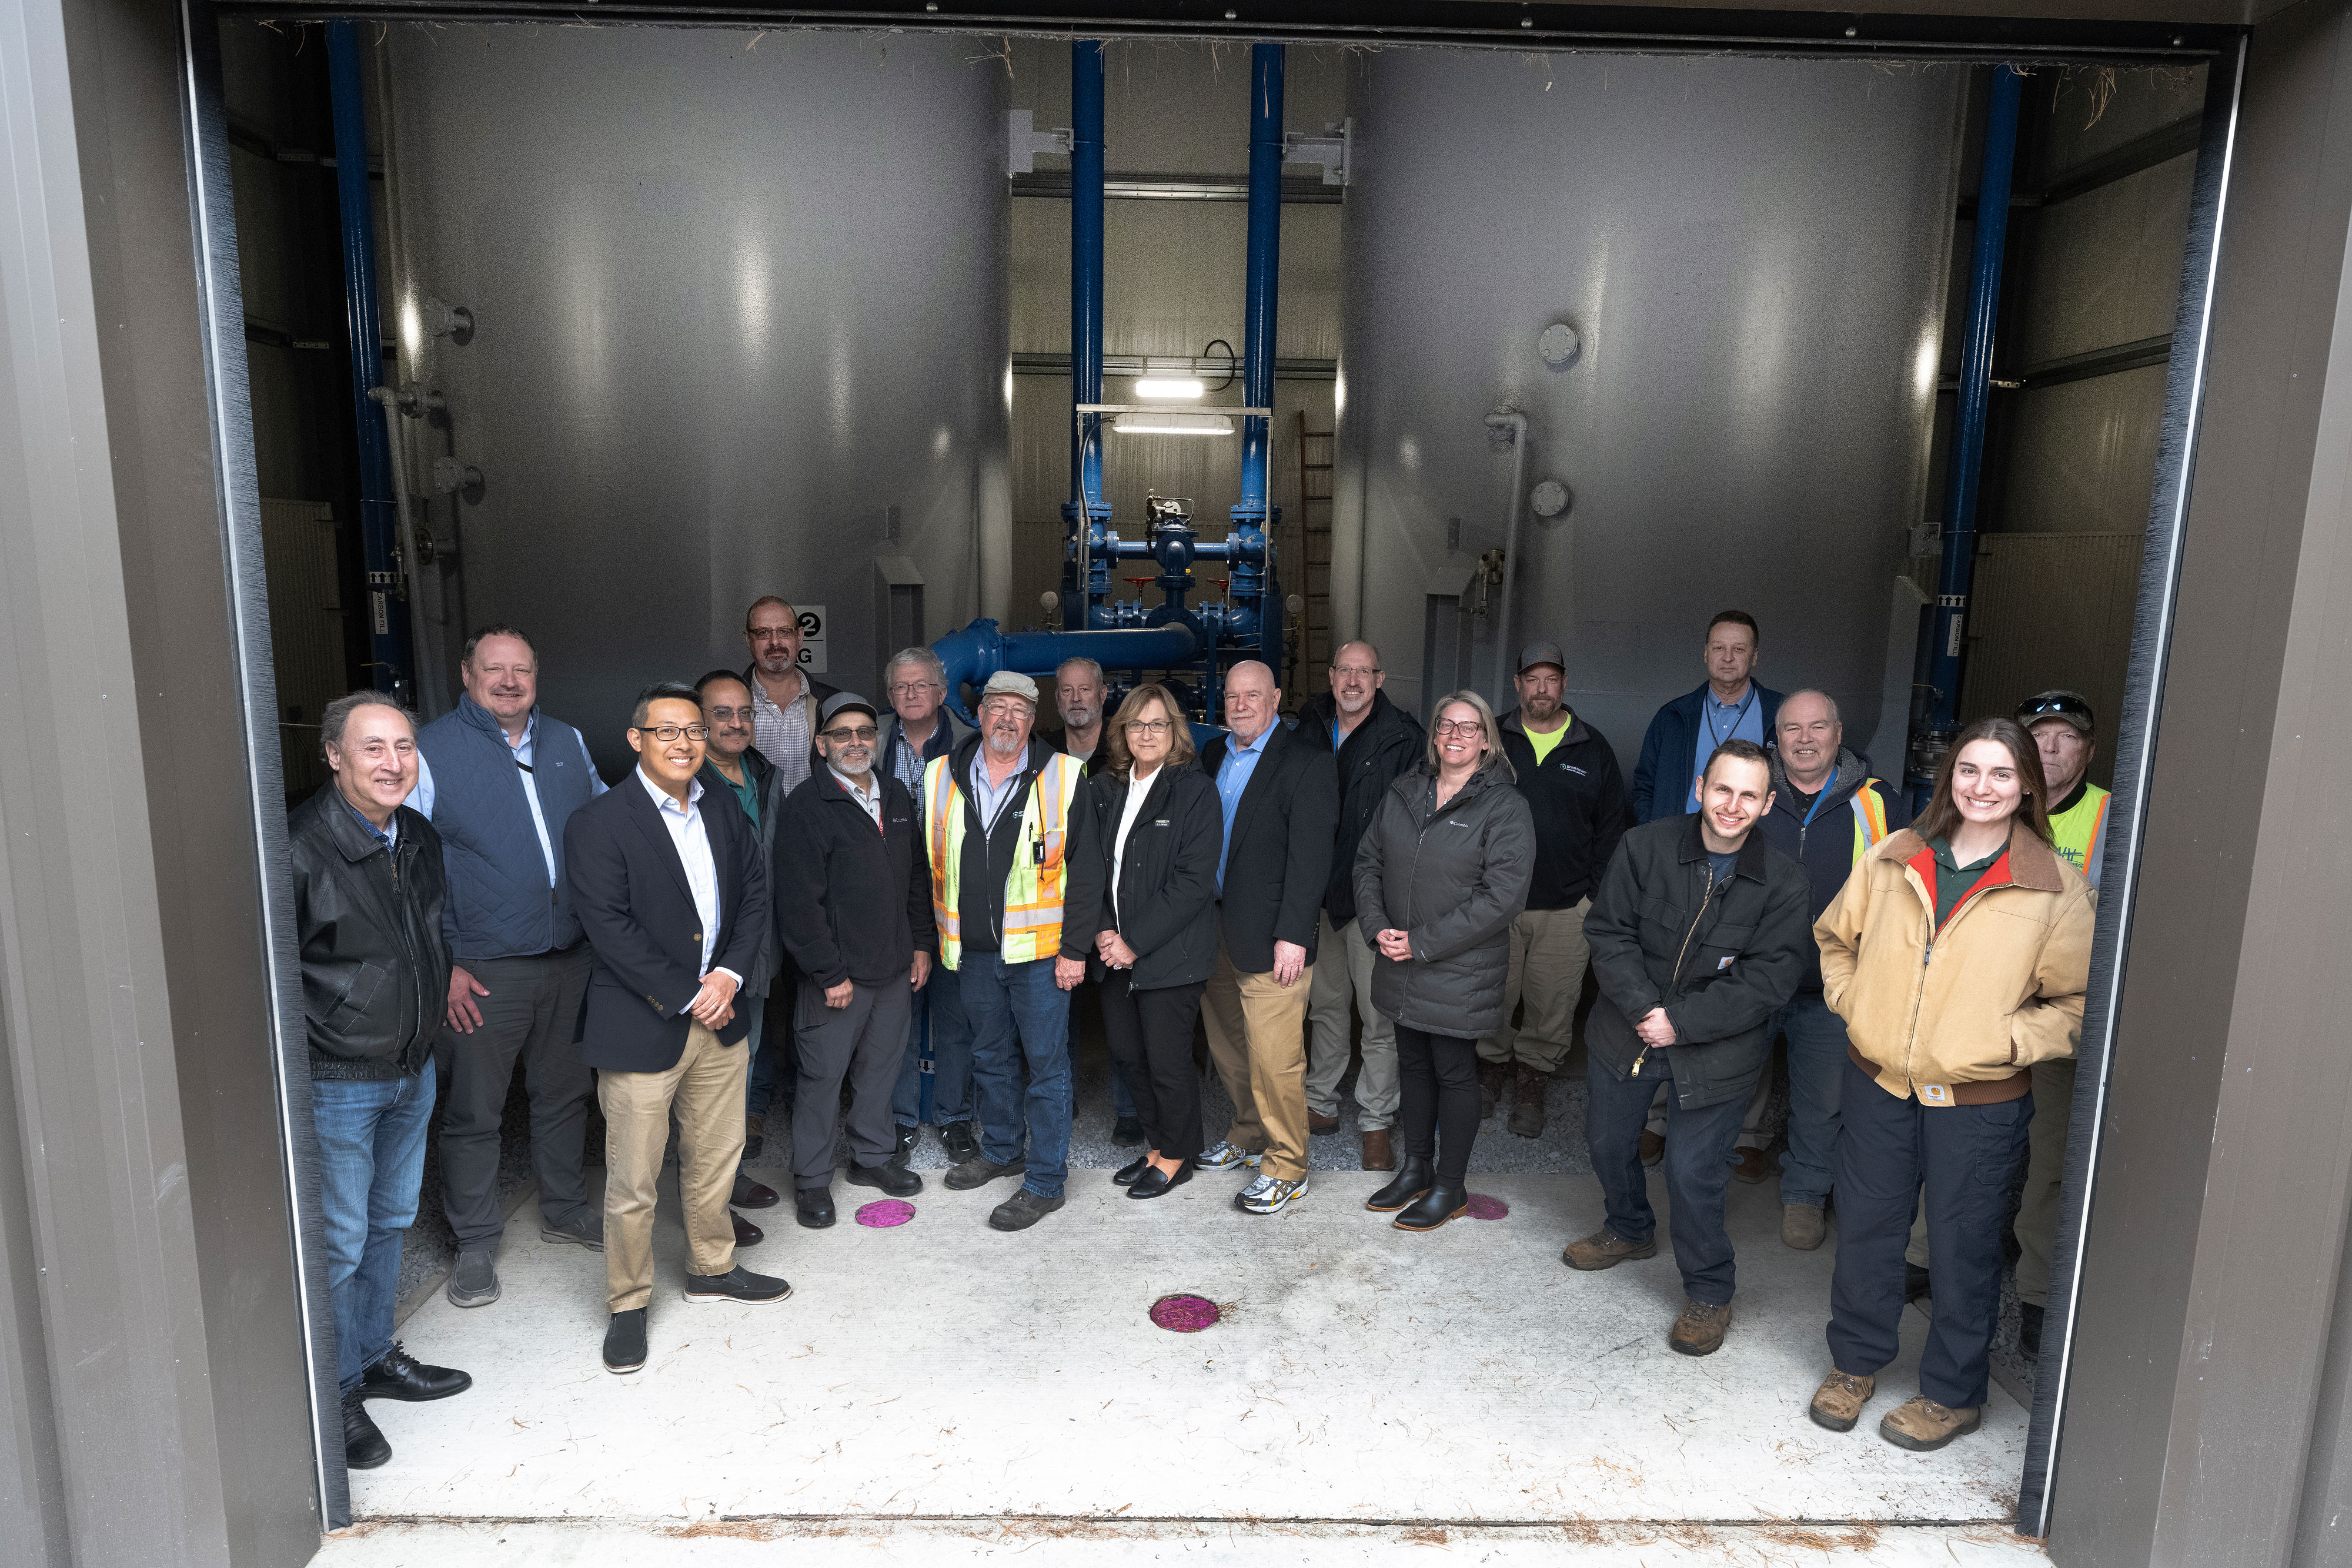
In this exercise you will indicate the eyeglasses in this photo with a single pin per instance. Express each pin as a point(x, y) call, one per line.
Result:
point(721, 715)
point(1356, 670)
point(916, 688)
point(1467, 728)
point(864, 732)
point(1150, 725)
point(665, 733)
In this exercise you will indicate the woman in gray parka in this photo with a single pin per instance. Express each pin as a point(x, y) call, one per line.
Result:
point(1441, 874)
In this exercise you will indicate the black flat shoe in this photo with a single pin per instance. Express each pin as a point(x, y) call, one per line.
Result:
point(397, 1374)
point(746, 1233)
point(1125, 1175)
point(365, 1445)
point(1155, 1181)
point(624, 1341)
point(1413, 1179)
point(749, 1193)
point(890, 1177)
point(1433, 1208)
point(814, 1207)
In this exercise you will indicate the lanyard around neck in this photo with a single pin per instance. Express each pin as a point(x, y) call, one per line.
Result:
point(1827, 785)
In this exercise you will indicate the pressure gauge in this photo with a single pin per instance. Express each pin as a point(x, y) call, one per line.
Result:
point(1558, 345)
point(1550, 498)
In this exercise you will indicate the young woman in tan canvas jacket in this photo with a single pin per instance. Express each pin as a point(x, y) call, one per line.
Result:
point(1957, 955)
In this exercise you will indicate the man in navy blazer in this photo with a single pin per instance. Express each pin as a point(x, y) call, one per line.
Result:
point(1685, 733)
point(674, 901)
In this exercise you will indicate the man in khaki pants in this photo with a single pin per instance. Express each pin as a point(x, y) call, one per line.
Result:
point(674, 901)
point(1281, 801)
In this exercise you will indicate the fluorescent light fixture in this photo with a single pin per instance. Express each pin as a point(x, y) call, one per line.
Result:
point(1153, 391)
point(1166, 424)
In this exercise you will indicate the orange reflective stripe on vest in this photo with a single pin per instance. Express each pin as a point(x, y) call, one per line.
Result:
point(1869, 819)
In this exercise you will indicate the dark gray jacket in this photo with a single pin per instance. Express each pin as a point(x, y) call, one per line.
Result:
point(1453, 878)
point(1720, 958)
point(768, 788)
point(1384, 748)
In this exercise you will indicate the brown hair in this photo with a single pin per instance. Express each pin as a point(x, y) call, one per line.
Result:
point(1738, 618)
point(1943, 813)
point(1181, 750)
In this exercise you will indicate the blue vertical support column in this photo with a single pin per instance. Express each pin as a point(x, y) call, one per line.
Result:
point(1947, 626)
point(1257, 605)
point(388, 652)
point(1087, 516)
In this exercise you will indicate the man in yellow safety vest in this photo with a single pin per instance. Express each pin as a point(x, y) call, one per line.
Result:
point(1009, 852)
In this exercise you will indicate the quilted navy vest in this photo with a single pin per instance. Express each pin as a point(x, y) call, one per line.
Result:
point(498, 903)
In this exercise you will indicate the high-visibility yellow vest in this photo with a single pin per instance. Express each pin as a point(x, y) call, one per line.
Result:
point(1032, 888)
point(1869, 819)
point(2081, 832)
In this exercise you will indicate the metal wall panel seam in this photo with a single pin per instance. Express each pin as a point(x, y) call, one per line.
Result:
point(213, 215)
point(2136, 751)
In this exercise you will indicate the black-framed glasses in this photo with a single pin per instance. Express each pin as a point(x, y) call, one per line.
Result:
point(665, 733)
point(1467, 728)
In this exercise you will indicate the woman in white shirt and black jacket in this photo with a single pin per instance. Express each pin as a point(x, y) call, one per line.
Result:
point(1161, 830)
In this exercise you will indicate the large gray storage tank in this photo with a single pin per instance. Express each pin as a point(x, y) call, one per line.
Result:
point(741, 317)
point(1753, 254)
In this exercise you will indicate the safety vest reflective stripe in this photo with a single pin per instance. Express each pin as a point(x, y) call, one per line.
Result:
point(1032, 888)
point(2081, 832)
point(1869, 819)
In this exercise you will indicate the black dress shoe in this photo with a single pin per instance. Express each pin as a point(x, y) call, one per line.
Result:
point(749, 1193)
point(961, 1142)
point(746, 1233)
point(624, 1341)
point(738, 1284)
point(1433, 1208)
point(1155, 1181)
point(813, 1206)
point(892, 1177)
point(1127, 1131)
point(1125, 1175)
point(1411, 1180)
point(364, 1446)
point(397, 1374)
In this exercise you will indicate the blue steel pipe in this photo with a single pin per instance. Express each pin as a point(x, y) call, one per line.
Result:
point(1948, 625)
point(388, 642)
point(1256, 622)
point(979, 650)
point(1086, 509)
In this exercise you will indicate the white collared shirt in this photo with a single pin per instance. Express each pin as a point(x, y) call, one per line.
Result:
point(687, 832)
point(782, 734)
point(870, 797)
point(1138, 785)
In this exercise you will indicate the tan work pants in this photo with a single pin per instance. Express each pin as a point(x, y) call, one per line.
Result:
point(1257, 1038)
point(1343, 971)
point(706, 1088)
point(1547, 958)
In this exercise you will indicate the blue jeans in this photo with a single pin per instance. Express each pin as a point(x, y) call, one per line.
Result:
point(941, 1000)
point(1965, 1157)
point(371, 1163)
point(1817, 1064)
point(1018, 1014)
point(1697, 1166)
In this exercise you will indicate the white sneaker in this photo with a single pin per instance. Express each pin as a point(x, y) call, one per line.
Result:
point(1221, 1155)
point(1270, 1195)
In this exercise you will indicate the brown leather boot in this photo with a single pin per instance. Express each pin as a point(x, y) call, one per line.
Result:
point(1528, 1104)
point(1604, 1249)
point(1700, 1329)
point(1922, 1425)
point(1378, 1154)
point(1492, 1076)
point(1837, 1404)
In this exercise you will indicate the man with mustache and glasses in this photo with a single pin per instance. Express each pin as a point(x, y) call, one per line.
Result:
point(855, 893)
point(1008, 856)
point(498, 779)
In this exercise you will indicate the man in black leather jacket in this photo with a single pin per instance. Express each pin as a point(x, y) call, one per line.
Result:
point(375, 979)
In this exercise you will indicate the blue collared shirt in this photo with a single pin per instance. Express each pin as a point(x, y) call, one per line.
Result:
point(992, 798)
point(389, 837)
point(420, 797)
point(1719, 722)
point(1232, 779)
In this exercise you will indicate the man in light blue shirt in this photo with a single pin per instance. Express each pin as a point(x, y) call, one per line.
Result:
point(1232, 779)
point(1730, 705)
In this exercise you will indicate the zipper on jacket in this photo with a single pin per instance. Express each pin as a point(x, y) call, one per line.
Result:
point(1926, 954)
point(1676, 979)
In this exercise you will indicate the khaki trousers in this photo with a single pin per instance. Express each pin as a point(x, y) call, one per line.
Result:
point(1257, 1038)
point(1344, 972)
point(1547, 958)
point(706, 1088)
point(2045, 1170)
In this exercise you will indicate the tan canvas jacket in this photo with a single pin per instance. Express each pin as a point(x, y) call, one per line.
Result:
point(1956, 1016)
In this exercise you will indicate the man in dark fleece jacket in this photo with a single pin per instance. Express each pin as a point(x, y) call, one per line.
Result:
point(854, 894)
point(1827, 812)
point(1372, 741)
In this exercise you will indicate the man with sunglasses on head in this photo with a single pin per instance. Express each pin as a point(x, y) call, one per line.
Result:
point(855, 893)
point(673, 894)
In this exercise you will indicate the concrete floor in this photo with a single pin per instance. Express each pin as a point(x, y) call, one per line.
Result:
point(943, 1387)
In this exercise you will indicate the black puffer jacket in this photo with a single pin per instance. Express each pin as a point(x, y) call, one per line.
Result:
point(1165, 903)
point(1452, 878)
point(375, 966)
point(1387, 745)
point(1720, 958)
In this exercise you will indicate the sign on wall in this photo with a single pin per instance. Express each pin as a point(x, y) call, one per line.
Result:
point(812, 624)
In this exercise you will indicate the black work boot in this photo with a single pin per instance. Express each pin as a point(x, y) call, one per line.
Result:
point(1528, 1104)
point(1492, 1076)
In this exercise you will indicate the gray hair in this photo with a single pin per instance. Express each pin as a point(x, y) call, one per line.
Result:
point(339, 713)
point(1828, 701)
point(1094, 664)
point(916, 655)
point(1494, 758)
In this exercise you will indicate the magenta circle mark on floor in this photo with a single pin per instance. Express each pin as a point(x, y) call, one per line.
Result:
point(1185, 1314)
point(1484, 1207)
point(886, 1212)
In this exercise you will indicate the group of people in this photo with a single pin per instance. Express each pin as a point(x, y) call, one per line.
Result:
point(885, 900)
